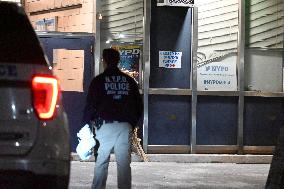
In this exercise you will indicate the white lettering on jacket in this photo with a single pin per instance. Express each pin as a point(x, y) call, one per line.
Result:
point(117, 86)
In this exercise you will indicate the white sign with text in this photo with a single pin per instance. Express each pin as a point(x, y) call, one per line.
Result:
point(217, 76)
point(170, 59)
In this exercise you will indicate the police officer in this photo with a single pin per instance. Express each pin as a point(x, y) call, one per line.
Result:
point(115, 106)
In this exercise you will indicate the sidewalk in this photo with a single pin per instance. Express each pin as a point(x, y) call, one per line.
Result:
point(197, 158)
point(171, 175)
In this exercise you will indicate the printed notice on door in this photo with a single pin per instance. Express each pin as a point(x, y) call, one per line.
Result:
point(217, 76)
point(170, 59)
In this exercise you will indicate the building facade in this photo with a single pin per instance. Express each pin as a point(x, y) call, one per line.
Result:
point(211, 74)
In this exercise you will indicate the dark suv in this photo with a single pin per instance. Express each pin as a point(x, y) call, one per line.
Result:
point(34, 133)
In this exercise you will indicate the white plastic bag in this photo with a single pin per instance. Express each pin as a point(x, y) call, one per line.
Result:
point(86, 142)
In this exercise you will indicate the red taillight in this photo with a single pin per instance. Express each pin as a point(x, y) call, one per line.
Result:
point(45, 93)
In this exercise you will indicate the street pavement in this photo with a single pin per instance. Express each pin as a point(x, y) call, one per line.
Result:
point(172, 175)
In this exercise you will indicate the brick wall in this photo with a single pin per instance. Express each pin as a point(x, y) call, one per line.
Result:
point(71, 15)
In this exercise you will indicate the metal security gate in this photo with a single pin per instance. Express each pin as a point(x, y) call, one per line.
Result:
point(73, 63)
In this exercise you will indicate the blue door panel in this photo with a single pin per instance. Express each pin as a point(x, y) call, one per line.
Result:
point(170, 31)
point(169, 120)
point(73, 102)
point(217, 120)
point(263, 118)
point(170, 116)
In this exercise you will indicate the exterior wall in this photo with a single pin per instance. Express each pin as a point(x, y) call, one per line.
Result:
point(264, 43)
point(265, 24)
point(65, 16)
point(70, 15)
point(245, 120)
point(217, 29)
point(237, 121)
point(126, 18)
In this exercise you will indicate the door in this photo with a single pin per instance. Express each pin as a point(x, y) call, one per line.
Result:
point(72, 60)
point(169, 84)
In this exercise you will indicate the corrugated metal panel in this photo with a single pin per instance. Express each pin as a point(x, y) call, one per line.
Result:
point(266, 23)
point(265, 26)
point(217, 29)
point(122, 17)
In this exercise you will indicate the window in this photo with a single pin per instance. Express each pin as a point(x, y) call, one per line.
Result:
point(264, 46)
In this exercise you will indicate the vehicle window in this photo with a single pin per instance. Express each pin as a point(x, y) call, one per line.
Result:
point(18, 41)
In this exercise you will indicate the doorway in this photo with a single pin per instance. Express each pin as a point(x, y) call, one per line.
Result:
point(71, 56)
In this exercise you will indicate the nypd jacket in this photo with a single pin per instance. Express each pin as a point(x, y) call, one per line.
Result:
point(113, 96)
